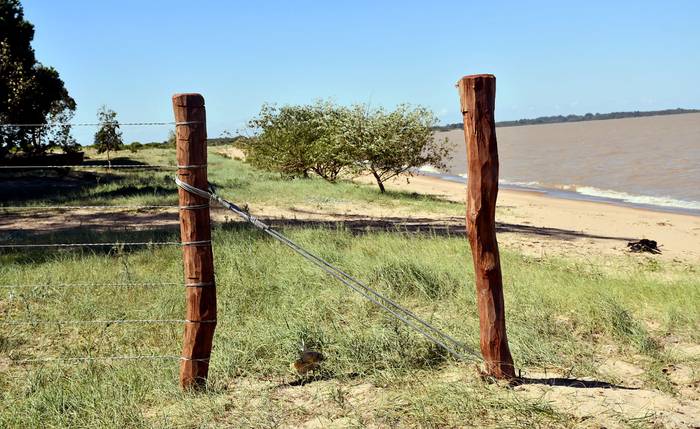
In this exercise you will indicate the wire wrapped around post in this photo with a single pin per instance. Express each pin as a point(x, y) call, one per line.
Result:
point(195, 231)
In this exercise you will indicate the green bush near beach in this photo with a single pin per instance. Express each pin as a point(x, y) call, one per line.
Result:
point(331, 141)
point(562, 314)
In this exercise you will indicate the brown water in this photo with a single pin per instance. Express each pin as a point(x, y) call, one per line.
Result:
point(652, 161)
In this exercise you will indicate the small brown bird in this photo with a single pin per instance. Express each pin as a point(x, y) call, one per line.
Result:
point(309, 360)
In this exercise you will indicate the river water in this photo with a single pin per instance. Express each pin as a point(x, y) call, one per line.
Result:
point(651, 162)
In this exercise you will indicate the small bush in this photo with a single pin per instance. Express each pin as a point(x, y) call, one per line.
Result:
point(135, 147)
point(409, 278)
point(626, 328)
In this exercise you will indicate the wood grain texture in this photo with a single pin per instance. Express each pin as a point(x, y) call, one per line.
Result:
point(477, 99)
point(195, 226)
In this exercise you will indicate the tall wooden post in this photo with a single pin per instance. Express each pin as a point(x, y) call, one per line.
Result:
point(195, 231)
point(477, 97)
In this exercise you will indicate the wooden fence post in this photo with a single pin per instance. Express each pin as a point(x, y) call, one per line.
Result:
point(477, 98)
point(195, 231)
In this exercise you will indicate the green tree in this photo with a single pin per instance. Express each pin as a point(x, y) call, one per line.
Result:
point(29, 91)
point(108, 137)
point(387, 144)
point(298, 140)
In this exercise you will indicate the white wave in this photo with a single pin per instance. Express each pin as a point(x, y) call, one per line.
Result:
point(637, 199)
point(609, 194)
point(429, 169)
point(521, 184)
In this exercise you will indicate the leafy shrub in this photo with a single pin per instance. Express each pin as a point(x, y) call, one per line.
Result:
point(298, 140)
point(331, 140)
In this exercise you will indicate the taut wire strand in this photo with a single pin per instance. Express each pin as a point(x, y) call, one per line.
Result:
point(26, 208)
point(105, 358)
point(92, 321)
point(136, 243)
point(68, 285)
point(93, 124)
point(86, 166)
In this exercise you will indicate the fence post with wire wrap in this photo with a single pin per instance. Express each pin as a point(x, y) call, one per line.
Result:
point(477, 99)
point(195, 231)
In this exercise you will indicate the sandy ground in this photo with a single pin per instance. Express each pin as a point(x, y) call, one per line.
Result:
point(575, 226)
point(329, 403)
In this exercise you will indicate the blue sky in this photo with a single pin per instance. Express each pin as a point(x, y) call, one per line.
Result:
point(549, 57)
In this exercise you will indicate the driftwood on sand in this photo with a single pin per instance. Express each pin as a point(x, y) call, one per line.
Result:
point(644, 245)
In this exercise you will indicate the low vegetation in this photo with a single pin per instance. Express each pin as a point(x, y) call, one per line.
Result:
point(564, 316)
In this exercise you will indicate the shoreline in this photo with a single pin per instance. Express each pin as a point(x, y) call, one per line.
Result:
point(583, 227)
point(572, 195)
point(573, 226)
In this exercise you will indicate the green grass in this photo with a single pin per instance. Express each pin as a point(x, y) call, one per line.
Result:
point(234, 179)
point(561, 314)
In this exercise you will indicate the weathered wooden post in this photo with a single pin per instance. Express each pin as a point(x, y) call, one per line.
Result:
point(195, 231)
point(477, 98)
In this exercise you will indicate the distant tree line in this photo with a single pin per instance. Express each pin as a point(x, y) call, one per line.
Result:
point(331, 141)
point(577, 118)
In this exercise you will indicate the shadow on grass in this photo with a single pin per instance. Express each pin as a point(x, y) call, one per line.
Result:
point(64, 184)
point(161, 226)
point(31, 255)
point(121, 160)
point(134, 191)
point(569, 382)
point(321, 376)
point(453, 226)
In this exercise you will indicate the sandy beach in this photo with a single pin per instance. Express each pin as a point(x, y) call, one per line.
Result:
point(560, 226)
point(575, 227)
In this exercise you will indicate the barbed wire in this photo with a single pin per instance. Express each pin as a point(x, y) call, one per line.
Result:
point(95, 124)
point(98, 321)
point(102, 207)
point(115, 244)
point(108, 285)
point(82, 359)
point(87, 166)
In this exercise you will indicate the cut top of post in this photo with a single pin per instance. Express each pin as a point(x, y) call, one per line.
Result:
point(474, 76)
point(188, 100)
point(470, 84)
point(191, 136)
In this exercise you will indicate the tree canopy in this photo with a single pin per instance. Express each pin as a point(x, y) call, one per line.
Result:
point(298, 140)
point(30, 93)
point(387, 144)
point(330, 140)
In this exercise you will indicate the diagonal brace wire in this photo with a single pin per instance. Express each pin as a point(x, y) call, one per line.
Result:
point(403, 314)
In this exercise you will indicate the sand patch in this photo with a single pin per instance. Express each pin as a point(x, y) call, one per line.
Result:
point(617, 407)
